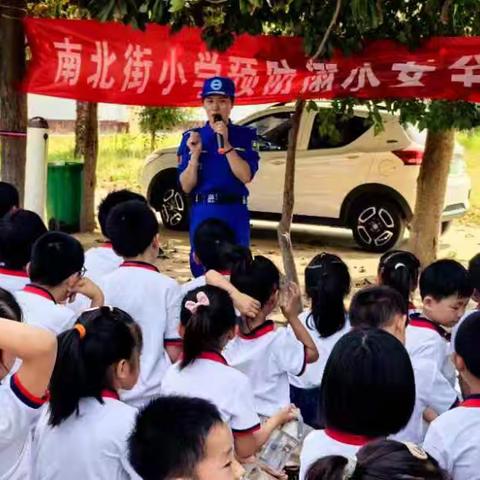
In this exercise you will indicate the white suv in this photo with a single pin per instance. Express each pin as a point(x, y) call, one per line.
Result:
point(357, 180)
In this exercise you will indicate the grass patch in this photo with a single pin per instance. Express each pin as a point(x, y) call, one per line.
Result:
point(121, 157)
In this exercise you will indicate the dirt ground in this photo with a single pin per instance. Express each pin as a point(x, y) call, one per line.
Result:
point(461, 242)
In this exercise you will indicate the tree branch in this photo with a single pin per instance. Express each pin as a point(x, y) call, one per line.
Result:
point(333, 21)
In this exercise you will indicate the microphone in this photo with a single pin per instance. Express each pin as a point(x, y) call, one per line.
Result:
point(220, 142)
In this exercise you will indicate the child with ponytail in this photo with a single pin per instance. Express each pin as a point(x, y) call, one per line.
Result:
point(25, 392)
point(86, 430)
point(327, 283)
point(207, 323)
point(400, 270)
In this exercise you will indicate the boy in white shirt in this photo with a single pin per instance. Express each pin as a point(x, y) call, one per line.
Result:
point(150, 297)
point(19, 230)
point(383, 307)
point(56, 274)
point(267, 355)
point(454, 437)
point(445, 290)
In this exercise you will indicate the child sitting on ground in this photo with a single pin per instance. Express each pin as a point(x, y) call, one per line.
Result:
point(56, 275)
point(19, 230)
point(207, 450)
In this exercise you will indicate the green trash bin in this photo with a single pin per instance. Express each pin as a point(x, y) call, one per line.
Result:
point(64, 196)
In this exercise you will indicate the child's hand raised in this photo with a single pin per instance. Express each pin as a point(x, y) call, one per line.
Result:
point(91, 290)
point(246, 305)
point(291, 304)
point(287, 414)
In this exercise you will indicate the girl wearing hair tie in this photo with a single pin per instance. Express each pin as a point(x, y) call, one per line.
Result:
point(84, 433)
point(207, 323)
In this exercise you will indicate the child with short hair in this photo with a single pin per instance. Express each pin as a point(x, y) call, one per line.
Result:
point(84, 434)
point(207, 450)
point(368, 392)
point(445, 289)
point(19, 230)
point(265, 354)
point(25, 392)
point(150, 297)
point(379, 460)
point(454, 437)
point(56, 275)
point(400, 270)
point(9, 198)
point(383, 307)
point(208, 322)
point(100, 261)
point(327, 283)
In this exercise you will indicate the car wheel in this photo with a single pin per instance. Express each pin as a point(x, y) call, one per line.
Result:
point(377, 224)
point(168, 198)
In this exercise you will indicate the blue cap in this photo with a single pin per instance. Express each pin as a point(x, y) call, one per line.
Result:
point(218, 86)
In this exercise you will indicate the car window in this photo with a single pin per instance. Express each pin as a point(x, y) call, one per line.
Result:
point(272, 130)
point(347, 130)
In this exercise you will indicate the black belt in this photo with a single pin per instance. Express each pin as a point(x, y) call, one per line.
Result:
point(220, 198)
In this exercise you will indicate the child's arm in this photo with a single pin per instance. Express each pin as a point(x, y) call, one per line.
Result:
point(91, 290)
point(36, 347)
point(290, 310)
point(429, 415)
point(246, 305)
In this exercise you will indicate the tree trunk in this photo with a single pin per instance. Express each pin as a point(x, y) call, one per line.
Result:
point(86, 146)
point(283, 230)
point(431, 188)
point(153, 141)
point(13, 104)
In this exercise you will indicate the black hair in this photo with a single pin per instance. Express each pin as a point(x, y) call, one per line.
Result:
point(368, 387)
point(112, 200)
point(380, 460)
point(9, 307)
point(376, 307)
point(9, 198)
point(205, 328)
point(83, 364)
point(169, 438)
point(215, 246)
point(474, 271)
point(445, 278)
point(131, 227)
point(327, 283)
point(19, 230)
point(467, 342)
point(258, 278)
point(55, 256)
point(400, 270)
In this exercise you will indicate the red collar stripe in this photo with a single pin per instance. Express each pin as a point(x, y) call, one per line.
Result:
point(213, 356)
point(110, 394)
point(145, 265)
point(421, 322)
point(14, 273)
point(348, 438)
point(106, 245)
point(41, 292)
point(473, 401)
point(24, 395)
point(259, 331)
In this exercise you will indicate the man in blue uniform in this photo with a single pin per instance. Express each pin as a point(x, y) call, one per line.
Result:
point(214, 177)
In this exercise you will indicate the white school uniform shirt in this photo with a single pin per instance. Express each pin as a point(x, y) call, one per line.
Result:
point(312, 377)
point(41, 310)
point(100, 261)
point(267, 356)
point(20, 411)
point(90, 446)
point(431, 390)
point(425, 339)
point(13, 280)
point(453, 439)
point(151, 299)
point(321, 443)
point(211, 378)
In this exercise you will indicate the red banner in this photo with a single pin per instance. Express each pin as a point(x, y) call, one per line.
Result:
point(111, 62)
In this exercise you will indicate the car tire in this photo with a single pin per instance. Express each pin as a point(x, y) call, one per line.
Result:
point(170, 201)
point(377, 224)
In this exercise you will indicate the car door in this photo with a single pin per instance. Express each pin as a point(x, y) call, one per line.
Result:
point(266, 189)
point(331, 166)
